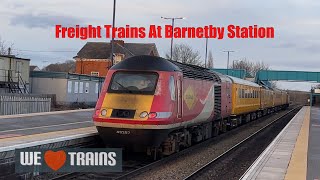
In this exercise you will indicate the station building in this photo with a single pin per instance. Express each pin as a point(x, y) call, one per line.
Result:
point(14, 74)
point(94, 58)
point(69, 88)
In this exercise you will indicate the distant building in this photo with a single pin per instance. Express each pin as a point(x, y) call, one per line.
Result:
point(68, 88)
point(14, 74)
point(95, 57)
point(34, 68)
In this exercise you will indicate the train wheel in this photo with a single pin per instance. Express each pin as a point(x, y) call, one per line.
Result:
point(224, 126)
point(215, 129)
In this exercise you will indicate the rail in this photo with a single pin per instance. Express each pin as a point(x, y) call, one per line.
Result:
point(204, 168)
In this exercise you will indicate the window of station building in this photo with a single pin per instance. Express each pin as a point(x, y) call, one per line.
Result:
point(81, 87)
point(76, 87)
point(97, 88)
point(86, 90)
point(172, 88)
point(69, 86)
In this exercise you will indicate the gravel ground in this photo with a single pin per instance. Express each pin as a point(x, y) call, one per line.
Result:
point(235, 164)
point(181, 167)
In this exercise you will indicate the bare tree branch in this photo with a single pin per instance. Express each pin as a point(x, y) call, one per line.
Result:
point(4, 47)
point(185, 54)
point(252, 68)
point(67, 66)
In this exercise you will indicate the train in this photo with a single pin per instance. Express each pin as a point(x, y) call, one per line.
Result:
point(159, 106)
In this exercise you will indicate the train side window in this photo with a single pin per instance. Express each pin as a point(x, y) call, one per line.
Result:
point(172, 88)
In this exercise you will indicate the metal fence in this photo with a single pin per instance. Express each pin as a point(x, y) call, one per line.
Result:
point(23, 104)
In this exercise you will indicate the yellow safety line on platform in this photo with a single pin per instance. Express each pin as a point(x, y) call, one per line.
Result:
point(298, 163)
point(48, 135)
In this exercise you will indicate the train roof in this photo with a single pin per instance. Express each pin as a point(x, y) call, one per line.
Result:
point(154, 63)
point(243, 82)
point(146, 63)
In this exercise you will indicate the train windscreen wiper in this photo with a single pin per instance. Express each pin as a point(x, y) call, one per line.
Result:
point(123, 87)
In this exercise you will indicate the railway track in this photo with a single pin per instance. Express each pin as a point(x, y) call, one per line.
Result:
point(133, 168)
point(166, 160)
point(128, 166)
point(204, 170)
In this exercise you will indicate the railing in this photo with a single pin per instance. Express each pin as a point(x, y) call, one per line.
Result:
point(23, 104)
point(11, 76)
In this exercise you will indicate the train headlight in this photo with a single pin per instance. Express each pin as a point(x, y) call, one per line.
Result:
point(152, 115)
point(144, 114)
point(104, 112)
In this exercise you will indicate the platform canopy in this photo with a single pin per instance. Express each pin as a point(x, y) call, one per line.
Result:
point(272, 75)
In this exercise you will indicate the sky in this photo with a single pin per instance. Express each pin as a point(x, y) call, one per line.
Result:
point(30, 26)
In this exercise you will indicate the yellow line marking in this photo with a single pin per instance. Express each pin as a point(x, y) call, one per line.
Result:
point(298, 163)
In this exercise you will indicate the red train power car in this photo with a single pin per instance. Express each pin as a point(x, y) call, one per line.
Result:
point(158, 105)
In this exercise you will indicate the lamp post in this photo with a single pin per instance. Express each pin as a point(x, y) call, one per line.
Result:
point(113, 24)
point(228, 60)
point(172, 19)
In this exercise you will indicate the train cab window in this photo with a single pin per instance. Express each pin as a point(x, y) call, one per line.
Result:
point(172, 88)
point(133, 82)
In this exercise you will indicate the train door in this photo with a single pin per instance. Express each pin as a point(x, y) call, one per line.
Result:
point(179, 97)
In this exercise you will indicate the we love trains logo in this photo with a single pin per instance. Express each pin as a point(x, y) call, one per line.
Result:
point(68, 160)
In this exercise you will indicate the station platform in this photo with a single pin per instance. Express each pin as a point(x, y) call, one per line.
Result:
point(294, 153)
point(27, 130)
point(35, 123)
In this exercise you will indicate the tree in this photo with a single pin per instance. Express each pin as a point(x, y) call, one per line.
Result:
point(250, 67)
point(67, 66)
point(4, 47)
point(210, 60)
point(185, 54)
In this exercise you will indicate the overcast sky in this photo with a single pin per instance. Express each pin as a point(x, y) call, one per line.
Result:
point(29, 25)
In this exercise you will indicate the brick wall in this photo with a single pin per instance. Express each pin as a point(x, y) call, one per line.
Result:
point(88, 66)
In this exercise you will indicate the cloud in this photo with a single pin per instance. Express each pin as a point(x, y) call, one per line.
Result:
point(43, 20)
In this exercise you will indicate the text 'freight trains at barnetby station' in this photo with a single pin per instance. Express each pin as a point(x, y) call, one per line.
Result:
point(155, 105)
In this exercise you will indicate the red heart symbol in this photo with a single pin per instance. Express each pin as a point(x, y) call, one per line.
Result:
point(55, 160)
